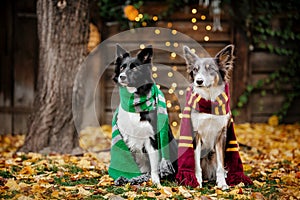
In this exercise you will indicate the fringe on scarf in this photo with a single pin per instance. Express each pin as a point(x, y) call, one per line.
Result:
point(238, 177)
point(187, 178)
point(133, 181)
point(166, 168)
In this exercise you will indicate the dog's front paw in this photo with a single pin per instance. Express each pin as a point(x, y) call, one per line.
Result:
point(222, 185)
point(199, 179)
point(155, 179)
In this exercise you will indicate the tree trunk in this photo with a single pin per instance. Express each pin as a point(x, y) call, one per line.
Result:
point(63, 37)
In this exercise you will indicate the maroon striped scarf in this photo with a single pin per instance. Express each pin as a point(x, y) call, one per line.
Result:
point(186, 162)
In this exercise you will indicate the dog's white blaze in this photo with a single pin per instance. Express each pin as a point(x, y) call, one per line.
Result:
point(208, 126)
point(134, 131)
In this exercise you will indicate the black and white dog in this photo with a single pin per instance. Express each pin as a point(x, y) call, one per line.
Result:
point(139, 129)
point(209, 76)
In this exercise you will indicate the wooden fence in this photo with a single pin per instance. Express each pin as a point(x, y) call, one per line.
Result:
point(19, 61)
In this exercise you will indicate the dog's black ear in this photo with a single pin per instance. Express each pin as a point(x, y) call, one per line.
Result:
point(145, 55)
point(224, 60)
point(190, 58)
point(121, 53)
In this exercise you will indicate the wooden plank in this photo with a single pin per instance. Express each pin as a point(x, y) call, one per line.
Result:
point(6, 123)
point(25, 6)
point(25, 61)
point(259, 118)
point(196, 35)
point(258, 77)
point(262, 62)
point(183, 26)
point(20, 123)
point(6, 46)
point(240, 74)
point(267, 104)
point(162, 53)
point(186, 13)
point(291, 117)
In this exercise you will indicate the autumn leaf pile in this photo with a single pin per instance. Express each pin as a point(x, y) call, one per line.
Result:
point(270, 153)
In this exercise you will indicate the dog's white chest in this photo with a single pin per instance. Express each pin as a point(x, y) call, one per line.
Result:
point(209, 127)
point(136, 133)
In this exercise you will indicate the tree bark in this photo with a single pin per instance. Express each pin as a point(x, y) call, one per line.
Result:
point(63, 37)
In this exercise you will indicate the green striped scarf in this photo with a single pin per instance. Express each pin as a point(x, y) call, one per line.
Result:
point(122, 163)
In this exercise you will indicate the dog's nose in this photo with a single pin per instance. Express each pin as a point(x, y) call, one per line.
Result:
point(122, 77)
point(199, 82)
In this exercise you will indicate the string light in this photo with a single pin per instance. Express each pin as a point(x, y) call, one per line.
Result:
point(180, 115)
point(174, 68)
point(195, 27)
point(158, 86)
point(140, 16)
point(208, 27)
point(144, 23)
point(170, 74)
point(154, 75)
point(168, 44)
point(171, 91)
point(137, 19)
point(169, 25)
point(173, 55)
point(155, 18)
point(174, 123)
point(206, 38)
point(175, 44)
point(181, 92)
point(169, 105)
point(174, 85)
point(142, 46)
point(203, 17)
point(193, 50)
point(157, 31)
point(174, 32)
point(154, 68)
point(194, 20)
point(194, 10)
point(177, 107)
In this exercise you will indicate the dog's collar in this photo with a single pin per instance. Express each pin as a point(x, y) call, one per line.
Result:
point(218, 107)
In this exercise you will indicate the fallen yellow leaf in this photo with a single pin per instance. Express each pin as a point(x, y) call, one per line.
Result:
point(258, 184)
point(166, 190)
point(184, 192)
point(105, 180)
point(12, 185)
point(27, 170)
point(83, 192)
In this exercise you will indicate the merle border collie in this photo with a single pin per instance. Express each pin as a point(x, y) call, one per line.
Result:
point(209, 76)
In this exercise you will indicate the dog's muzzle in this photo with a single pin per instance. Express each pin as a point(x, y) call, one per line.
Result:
point(123, 79)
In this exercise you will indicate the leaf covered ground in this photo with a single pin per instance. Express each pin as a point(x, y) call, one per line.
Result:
point(270, 153)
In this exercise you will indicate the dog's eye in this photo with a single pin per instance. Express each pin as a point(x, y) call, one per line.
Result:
point(122, 67)
point(195, 69)
point(207, 66)
point(132, 66)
